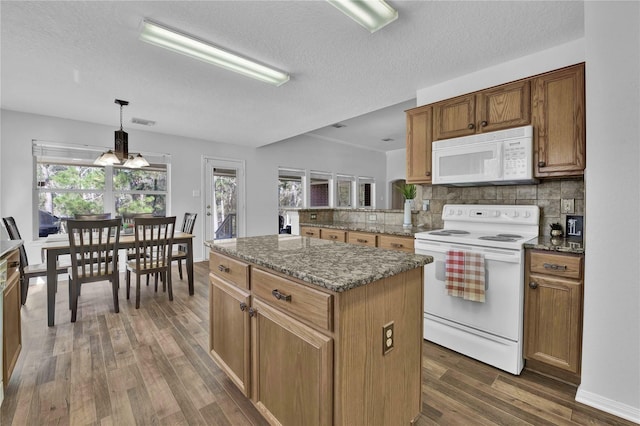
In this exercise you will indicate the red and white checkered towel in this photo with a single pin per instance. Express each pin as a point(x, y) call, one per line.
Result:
point(465, 275)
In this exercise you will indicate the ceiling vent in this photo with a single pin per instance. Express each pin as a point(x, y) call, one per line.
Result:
point(142, 121)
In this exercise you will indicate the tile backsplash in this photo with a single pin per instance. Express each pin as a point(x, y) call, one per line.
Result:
point(548, 195)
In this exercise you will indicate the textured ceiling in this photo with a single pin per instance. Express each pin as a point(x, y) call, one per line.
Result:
point(72, 59)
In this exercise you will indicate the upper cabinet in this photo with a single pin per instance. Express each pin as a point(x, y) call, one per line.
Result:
point(559, 123)
point(419, 138)
point(493, 109)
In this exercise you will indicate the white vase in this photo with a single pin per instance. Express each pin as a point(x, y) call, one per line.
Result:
point(407, 213)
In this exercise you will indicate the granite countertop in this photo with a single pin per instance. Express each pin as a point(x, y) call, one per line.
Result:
point(565, 245)
point(9, 245)
point(398, 230)
point(333, 265)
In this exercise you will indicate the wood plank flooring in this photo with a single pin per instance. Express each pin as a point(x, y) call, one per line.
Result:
point(151, 366)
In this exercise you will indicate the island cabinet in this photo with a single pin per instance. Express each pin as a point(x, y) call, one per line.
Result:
point(306, 355)
point(419, 138)
point(11, 325)
point(559, 122)
point(500, 107)
point(553, 313)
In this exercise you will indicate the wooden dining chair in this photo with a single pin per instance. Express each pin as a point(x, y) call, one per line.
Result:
point(27, 271)
point(93, 246)
point(152, 252)
point(180, 254)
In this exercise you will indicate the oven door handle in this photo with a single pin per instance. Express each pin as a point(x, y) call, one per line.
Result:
point(494, 254)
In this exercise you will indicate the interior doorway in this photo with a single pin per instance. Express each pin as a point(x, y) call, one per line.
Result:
point(224, 199)
point(397, 201)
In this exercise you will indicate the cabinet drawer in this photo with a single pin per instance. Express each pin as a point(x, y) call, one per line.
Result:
point(13, 264)
point(333, 235)
point(395, 243)
point(561, 265)
point(229, 269)
point(362, 238)
point(306, 303)
point(309, 231)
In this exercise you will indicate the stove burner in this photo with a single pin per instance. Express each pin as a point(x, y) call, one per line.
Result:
point(447, 232)
point(502, 237)
point(510, 235)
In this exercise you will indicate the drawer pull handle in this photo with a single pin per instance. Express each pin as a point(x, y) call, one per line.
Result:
point(310, 233)
point(555, 267)
point(362, 240)
point(253, 312)
point(333, 237)
point(243, 306)
point(223, 268)
point(281, 296)
point(14, 264)
point(533, 285)
point(396, 245)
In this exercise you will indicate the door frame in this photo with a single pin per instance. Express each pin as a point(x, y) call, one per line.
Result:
point(208, 163)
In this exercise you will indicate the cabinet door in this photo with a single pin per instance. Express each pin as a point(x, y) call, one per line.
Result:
point(454, 117)
point(229, 329)
point(419, 138)
point(12, 327)
point(553, 321)
point(559, 123)
point(504, 106)
point(293, 369)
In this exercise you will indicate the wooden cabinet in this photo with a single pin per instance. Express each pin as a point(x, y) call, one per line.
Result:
point(559, 123)
point(305, 355)
point(393, 242)
point(310, 231)
point(333, 235)
point(362, 238)
point(419, 138)
point(12, 324)
point(501, 107)
point(553, 313)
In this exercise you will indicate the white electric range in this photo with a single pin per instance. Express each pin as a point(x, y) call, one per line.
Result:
point(489, 331)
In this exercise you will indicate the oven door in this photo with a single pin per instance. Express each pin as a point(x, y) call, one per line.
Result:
point(471, 163)
point(502, 312)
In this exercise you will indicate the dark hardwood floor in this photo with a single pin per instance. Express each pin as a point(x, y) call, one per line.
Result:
point(151, 366)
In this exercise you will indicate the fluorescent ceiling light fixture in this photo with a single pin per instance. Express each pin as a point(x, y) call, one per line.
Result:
point(371, 14)
point(188, 45)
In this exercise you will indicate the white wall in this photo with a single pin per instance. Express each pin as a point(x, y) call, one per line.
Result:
point(18, 130)
point(611, 341)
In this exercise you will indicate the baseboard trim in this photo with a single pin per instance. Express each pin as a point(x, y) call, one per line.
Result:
point(609, 405)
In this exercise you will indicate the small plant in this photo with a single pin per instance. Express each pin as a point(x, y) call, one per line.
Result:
point(408, 191)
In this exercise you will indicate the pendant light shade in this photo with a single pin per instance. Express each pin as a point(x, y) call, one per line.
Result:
point(120, 153)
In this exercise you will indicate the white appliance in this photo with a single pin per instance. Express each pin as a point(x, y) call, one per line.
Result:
point(500, 158)
point(490, 332)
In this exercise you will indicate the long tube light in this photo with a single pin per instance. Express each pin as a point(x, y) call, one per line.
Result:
point(371, 14)
point(171, 39)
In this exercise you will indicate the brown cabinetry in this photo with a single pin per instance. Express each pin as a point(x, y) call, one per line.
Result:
point(493, 109)
point(393, 242)
point(553, 313)
point(419, 138)
point(12, 324)
point(386, 241)
point(309, 231)
point(333, 235)
point(362, 238)
point(559, 122)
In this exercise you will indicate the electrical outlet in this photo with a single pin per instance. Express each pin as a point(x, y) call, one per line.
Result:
point(568, 205)
point(314, 216)
point(388, 338)
point(372, 217)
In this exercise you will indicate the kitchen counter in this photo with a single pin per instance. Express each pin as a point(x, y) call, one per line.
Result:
point(398, 230)
point(332, 265)
point(9, 245)
point(565, 245)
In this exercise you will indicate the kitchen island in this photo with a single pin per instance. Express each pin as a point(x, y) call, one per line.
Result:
point(318, 332)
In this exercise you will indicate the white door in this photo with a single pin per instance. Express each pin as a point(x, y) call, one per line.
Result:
point(224, 204)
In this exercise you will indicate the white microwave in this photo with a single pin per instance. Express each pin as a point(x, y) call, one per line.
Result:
point(500, 158)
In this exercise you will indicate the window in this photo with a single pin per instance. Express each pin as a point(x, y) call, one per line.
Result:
point(290, 188)
point(319, 188)
point(366, 193)
point(68, 183)
point(344, 185)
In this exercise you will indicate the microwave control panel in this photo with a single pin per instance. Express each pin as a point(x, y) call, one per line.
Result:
point(516, 159)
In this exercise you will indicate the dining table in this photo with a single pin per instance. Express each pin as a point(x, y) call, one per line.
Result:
point(57, 245)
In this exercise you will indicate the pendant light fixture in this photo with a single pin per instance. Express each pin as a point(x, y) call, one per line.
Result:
point(120, 152)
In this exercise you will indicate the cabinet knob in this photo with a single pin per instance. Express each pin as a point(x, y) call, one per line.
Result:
point(253, 312)
point(483, 123)
point(471, 126)
point(533, 285)
point(427, 174)
point(541, 164)
point(243, 306)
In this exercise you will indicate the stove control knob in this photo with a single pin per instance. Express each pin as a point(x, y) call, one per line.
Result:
point(459, 212)
point(527, 214)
